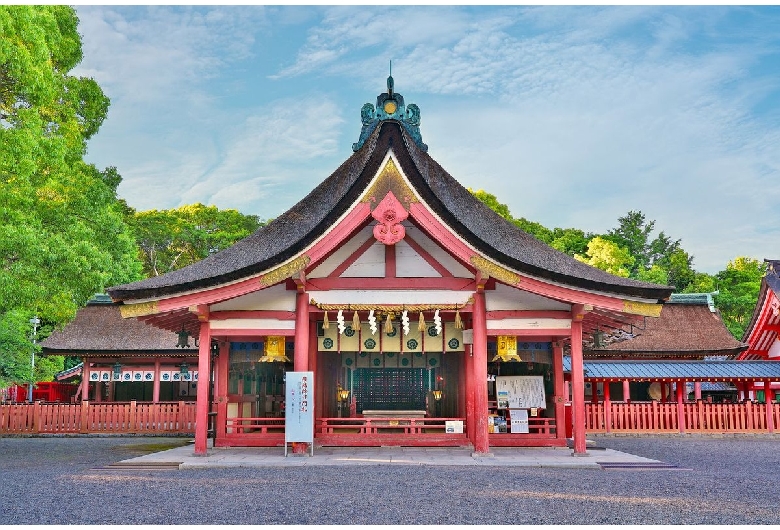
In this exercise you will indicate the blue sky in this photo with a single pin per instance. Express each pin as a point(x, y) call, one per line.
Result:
point(570, 115)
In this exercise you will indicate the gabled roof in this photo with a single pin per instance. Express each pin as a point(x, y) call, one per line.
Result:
point(762, 331)
point(292, 232)
point(689, 326)
point(687, 370)
point(99, 329)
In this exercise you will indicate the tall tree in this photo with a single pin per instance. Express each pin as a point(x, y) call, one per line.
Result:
point(172, 239)
point(607, 256)
point(62, 235)
point(738, 287)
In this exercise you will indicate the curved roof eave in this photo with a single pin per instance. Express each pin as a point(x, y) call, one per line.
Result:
point(292, 232)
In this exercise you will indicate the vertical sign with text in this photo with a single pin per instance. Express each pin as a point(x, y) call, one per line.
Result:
point(299, 408)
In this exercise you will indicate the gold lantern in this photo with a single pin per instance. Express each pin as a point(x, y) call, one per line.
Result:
point(506, 349)
point(274, 351)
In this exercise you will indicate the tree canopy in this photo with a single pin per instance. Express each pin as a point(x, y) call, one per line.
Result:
point(631, 250)
point(172, 239)
point(62, 234)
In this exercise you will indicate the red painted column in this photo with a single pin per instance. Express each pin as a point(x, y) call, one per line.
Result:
point(559, 392)
point(202, 403)
point(626, 391)
point(577, 383)
point(769, 397)
point(680, 405)
point(316, 395)
point(85, 380)
point(481, 441)
point(301, 355)
point(607, 408)
point(156, 383)
point(697, 391)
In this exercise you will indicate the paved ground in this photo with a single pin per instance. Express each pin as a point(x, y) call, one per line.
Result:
point(730, 480)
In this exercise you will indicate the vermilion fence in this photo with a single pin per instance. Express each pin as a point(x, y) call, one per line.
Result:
point(85, 417)
point(698, 417)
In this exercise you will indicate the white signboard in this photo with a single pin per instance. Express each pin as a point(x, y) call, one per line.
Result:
point(299, 409)
point(521, 391)
point(519, 421)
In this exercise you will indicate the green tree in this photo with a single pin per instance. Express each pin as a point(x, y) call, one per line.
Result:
point(172, 239)
point(738, 287)
point(62, 235)
point(570, 240)
point(607, 256)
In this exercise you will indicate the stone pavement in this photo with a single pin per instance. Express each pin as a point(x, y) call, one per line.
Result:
point(596, 457)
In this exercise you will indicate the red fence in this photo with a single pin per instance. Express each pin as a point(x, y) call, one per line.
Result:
point(86, 417)
point(698, 417)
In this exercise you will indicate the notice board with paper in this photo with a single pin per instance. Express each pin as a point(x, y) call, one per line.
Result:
point(520, 391)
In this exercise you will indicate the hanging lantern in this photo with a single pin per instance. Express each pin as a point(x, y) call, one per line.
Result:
point(182, 341)
point(274, 351)
point(184, 368)
point(117, 370)
point(325, 323)
point(506, 348)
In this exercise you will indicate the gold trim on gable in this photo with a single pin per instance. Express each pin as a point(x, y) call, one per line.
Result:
point(488, 268)
point(138, 310)
point(642, 308)
point(390, 179)
point(284, 271)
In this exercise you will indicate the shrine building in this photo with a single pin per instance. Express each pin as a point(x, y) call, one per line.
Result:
point(396, 287)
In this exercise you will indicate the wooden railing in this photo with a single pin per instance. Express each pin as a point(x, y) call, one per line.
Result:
point(254, 425)
point(85, 418)
point(700, 417)
point(370, 426)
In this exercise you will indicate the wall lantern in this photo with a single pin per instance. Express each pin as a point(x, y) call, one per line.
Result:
point(342, 394)
point(117, 370)
point(598, 338)
point(184, 368)
point(437, 394)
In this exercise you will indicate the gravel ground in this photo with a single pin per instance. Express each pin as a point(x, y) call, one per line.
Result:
point(730, 480)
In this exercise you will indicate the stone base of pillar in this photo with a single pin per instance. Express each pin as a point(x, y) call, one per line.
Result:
point(482, 455)
point(580, 454)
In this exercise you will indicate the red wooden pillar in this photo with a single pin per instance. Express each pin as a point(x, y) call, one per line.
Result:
point(202, 403)
point(626, 391)
point(221, 390)
point(301, 355)
point(577, 382)
point(697, 391)
point(607, 407)
point(479, 375)
point(559, 390)
point(313, 368)
point(769, 397)
point(156, 382)
point(85, 380)
point(681, 406)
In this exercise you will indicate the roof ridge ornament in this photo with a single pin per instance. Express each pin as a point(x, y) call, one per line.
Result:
point(390, 106)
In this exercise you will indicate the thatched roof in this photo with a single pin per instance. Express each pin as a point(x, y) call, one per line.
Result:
point(291, 232)
point(100, 329)
point(689, 327)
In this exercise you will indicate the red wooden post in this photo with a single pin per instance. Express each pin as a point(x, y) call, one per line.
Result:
point(156, 383)
point(769, 397)
point(84, 427)
point(317, 396)
point(558, 390)
point(301, 355)
point(607, 408)
point(85, 380)
point(697, 390)
point(481, 440)
point(680, 407)
point(577, 381)
point(36, 426)
point(626, 391)
point(202, 399)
